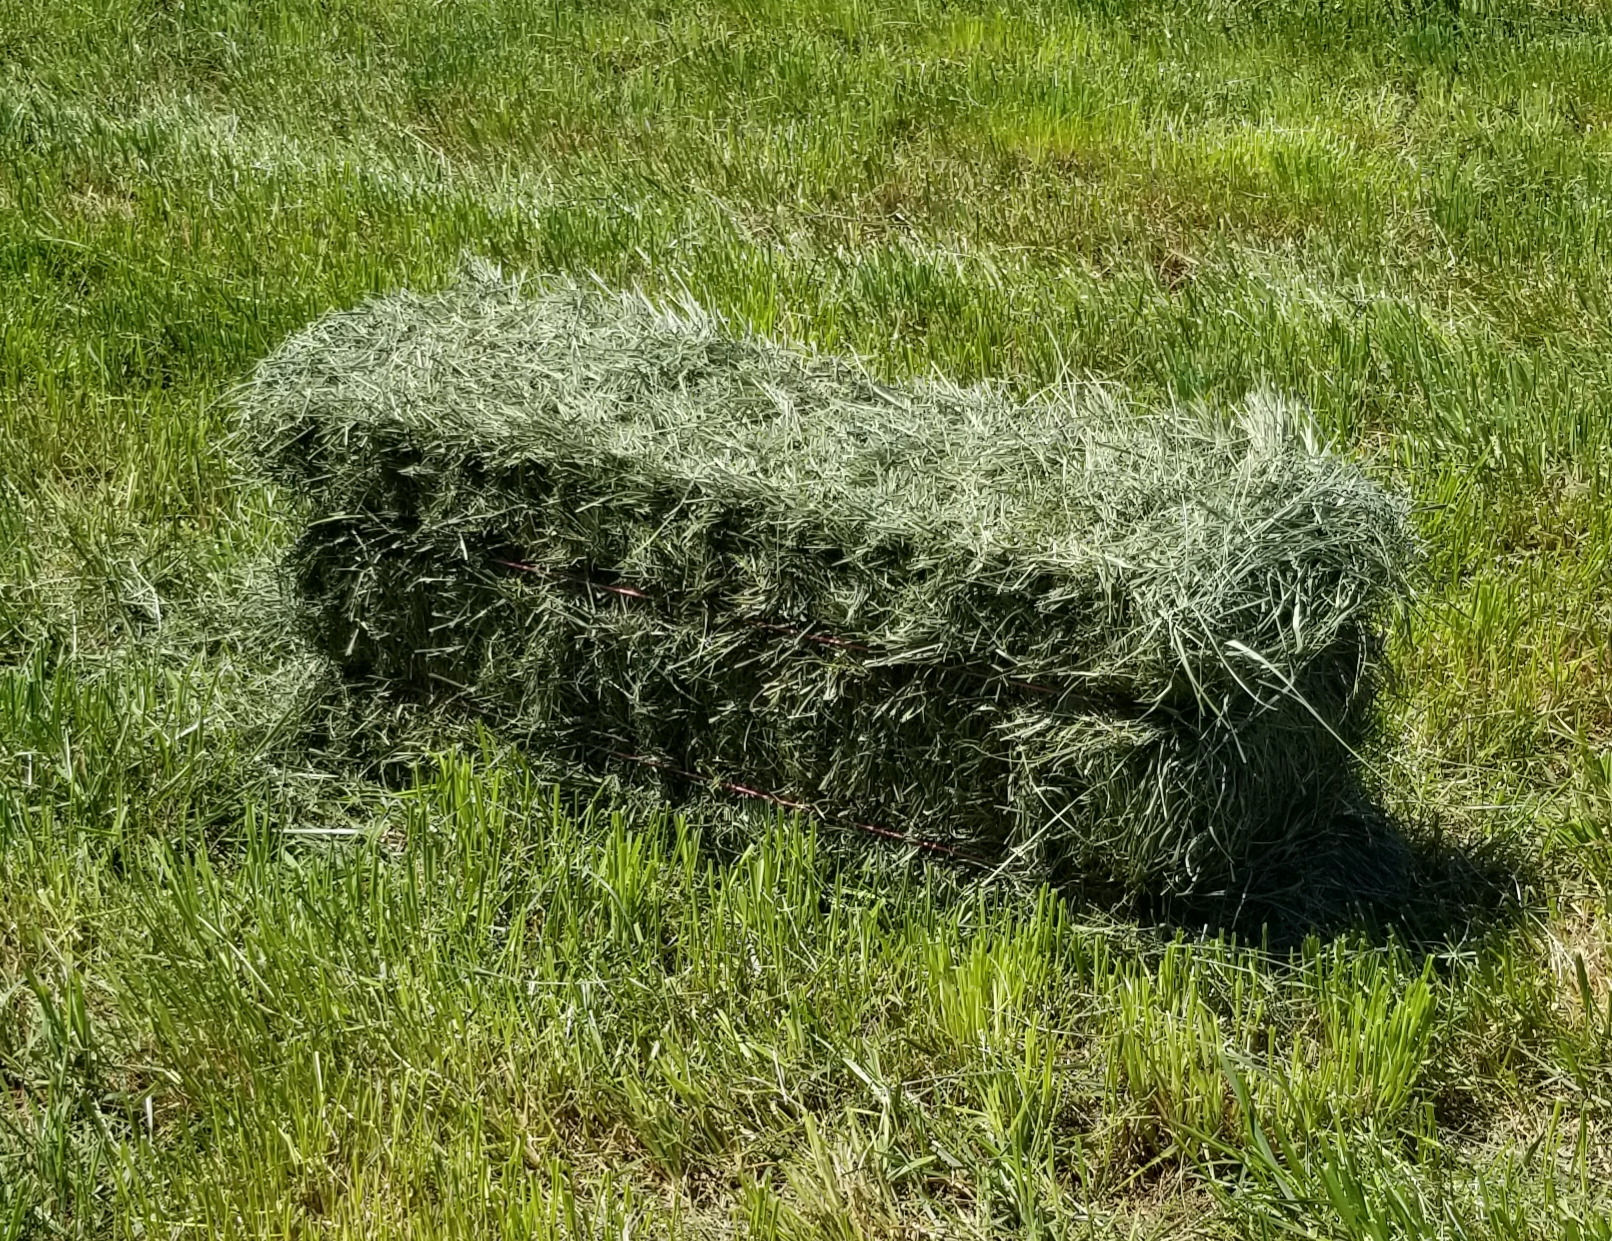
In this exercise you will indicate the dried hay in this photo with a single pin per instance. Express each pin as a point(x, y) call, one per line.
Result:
point(1055, 631)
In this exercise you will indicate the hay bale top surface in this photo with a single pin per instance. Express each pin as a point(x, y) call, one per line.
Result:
point(1177, 540)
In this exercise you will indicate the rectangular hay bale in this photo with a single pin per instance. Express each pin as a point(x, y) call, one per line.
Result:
point(1055, 630)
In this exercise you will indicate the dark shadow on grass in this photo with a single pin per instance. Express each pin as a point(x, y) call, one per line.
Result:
point(1362, 872)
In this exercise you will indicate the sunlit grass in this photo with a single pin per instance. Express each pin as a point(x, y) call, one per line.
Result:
point(475, 1008)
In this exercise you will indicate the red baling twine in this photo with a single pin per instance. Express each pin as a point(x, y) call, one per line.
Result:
point(744, 790)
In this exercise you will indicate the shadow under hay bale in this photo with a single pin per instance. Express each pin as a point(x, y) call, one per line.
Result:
point(1359, 873)
point(1056, 634)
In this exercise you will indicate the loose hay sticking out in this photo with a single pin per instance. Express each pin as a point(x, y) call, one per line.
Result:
point(1056, 631)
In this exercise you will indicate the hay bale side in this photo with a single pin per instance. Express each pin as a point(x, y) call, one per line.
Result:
point(1130, 645)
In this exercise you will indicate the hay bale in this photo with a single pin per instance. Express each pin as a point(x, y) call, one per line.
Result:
point(1055, 630)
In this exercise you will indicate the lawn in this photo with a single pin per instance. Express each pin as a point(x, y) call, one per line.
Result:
point(270, 966)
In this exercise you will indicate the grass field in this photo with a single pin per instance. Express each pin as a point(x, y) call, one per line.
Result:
point(249, 989)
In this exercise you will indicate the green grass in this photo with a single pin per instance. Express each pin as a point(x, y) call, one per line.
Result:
point(247, 990)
